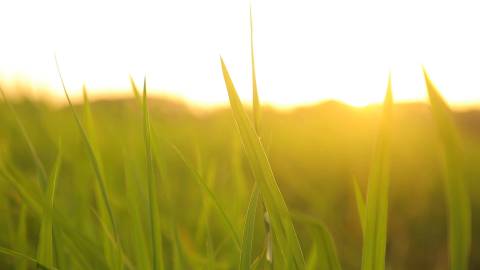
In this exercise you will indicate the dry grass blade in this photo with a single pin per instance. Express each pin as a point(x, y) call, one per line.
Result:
point(458, 201)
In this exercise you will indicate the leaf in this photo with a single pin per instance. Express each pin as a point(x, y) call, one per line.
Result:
point(17, 254)
point(360, 204)
point(33, 151)
point(210, 195)
point(249, 231)
point(325, 254)
point(46, 244)
point(93, 160)
point(256, 99)
point(155, 229)
point(283, 229)
point(458, 199)
point(375, 236)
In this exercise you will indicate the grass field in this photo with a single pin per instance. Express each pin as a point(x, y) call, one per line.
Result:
point(141, 183)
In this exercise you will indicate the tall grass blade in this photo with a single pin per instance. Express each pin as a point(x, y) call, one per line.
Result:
point(256, 100)
point(94, 160)
point(155, 229)
point(360, 204)
point(139, 241)
point(375, 236)
point(458, 199)
point(283, 229)
point(46, 243)
point(249, 230)
point(211, 195)
point(31, 147)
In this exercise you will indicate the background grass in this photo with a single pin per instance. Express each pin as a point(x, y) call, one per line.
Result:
point(313, 153)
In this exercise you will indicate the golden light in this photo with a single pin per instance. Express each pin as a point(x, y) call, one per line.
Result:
point(305, 51)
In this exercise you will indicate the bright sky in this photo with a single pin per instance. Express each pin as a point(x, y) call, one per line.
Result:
point(305, 51)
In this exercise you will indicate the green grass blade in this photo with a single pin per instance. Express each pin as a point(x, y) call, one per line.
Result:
point(45, 244)
point(323, 245)
point(133, 196)
point(283, 229)
point(76, 240)
point(249, 230)
point(458, 201)
point(93, 159)
point(211, 195)
point(360, 204)
point(31, 147)
point(256, 99)
point(135, 91)
point(327, 254)
point(155, 229)
point(375, 236)
point(21, 235)
point(17, 254)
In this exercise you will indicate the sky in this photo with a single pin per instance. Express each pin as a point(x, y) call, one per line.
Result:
point(305, 51)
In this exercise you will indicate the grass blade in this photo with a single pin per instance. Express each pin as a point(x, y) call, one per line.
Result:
point(94, 160)
point(45, 244)
point(325, 256)
point(458, 201)
point(17, 254)
point(375, 236)
point(155, 229)
point(283, 229)
point(360, 204)
point(249, 230)
point(256, 100)
point(33, 151)
point(211, 195)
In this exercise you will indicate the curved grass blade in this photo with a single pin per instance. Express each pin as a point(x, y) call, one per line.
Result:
point(249, 230)
point(376, 215)
point(94, 160)
point(283, 229)
point(360, 204)
point(211, 195)
point(17, 254)
point(325, 256)
point(76, 240)
point(31, 147)
point(458, 201)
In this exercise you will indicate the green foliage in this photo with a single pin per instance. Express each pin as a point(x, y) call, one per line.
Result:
point(290, 253)
point(375, 230)
point(458, 199)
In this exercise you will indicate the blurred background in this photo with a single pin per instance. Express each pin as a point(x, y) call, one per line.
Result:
point(322, 70)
